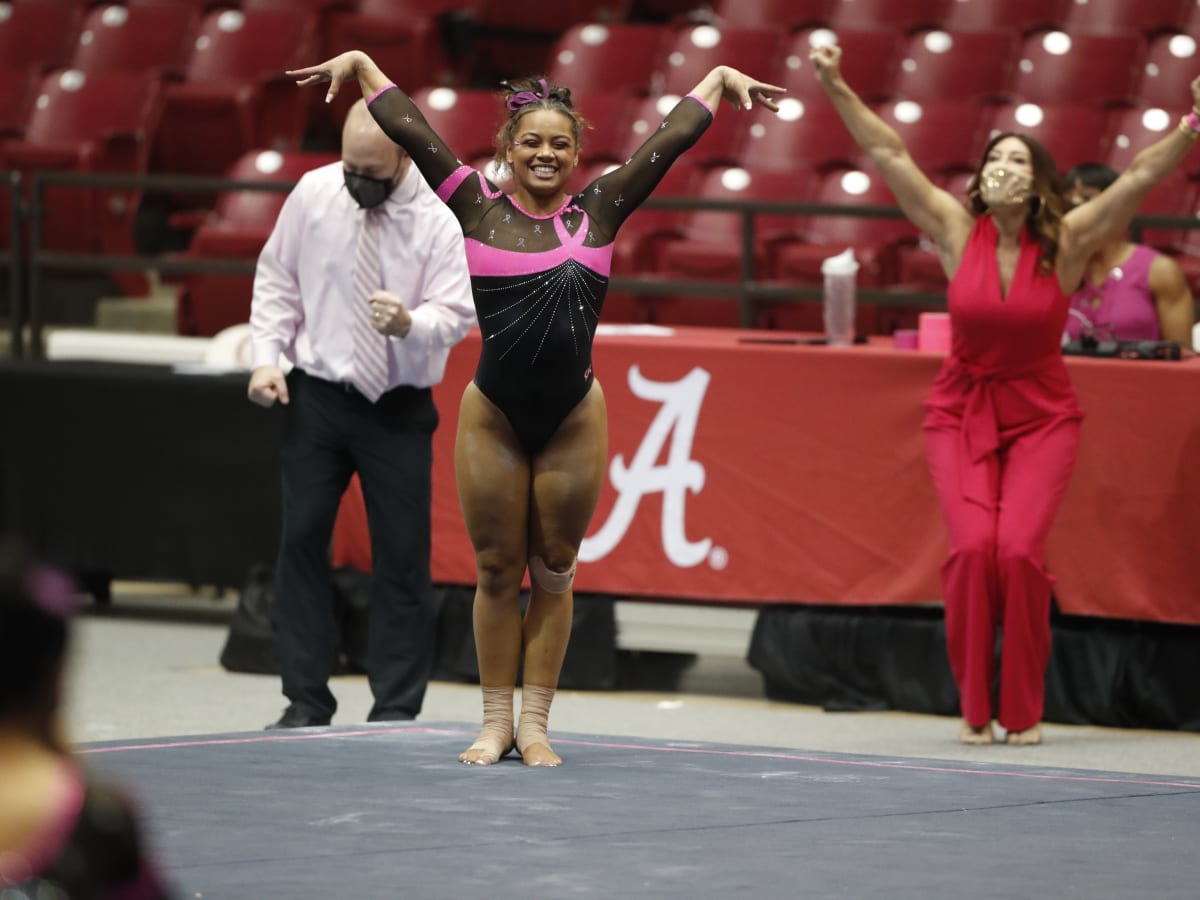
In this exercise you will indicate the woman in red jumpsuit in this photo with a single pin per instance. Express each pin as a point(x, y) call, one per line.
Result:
point(1002, 422)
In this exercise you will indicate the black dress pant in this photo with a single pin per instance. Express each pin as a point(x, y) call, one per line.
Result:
point(330, 432)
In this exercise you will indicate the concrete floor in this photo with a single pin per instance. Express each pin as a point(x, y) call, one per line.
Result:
point(148, 668)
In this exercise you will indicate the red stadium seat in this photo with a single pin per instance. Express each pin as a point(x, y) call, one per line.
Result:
point(408, 47)
point(608, 122)
point(968, 65)
point(709, 247)
point(874, 239)
point(692, 52)
point(312, 7)
point(1124, 17)
point(16, 99)
point(237, 229)
point(613, 57)
point(197, 5)
point(144, 39)
point(40, 35)
point(1175, 195)
point(1138, 128)
point(803, 135)
point(235, 96)
point(1172, 62)
point(513, 38)
point(786, 14)
point(869, 60)
point(1089, 69)
point(87, 122)
point(941, 136)
point(1072, 133)
point(888, 14)
point(1023, 16)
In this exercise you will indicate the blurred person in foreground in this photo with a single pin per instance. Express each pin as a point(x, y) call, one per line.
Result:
point(63, 833)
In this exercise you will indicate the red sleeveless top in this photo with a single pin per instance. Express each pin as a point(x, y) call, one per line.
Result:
point(1005, 376)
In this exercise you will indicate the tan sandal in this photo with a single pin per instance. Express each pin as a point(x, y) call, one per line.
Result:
point(1028, 737)
point(973, 736)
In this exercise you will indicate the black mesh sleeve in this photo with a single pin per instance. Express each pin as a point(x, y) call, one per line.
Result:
point(611, 198)
point(403, 122)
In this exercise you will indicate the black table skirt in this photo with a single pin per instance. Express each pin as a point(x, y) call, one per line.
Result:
point(133, 471)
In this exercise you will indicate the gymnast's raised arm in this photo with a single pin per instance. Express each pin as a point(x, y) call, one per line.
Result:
point(392, 108)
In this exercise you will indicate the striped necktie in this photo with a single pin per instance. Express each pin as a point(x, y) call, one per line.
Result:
point(370, 347)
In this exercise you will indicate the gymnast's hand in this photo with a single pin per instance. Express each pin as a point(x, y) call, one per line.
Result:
point(743, 91)
point(344, 67)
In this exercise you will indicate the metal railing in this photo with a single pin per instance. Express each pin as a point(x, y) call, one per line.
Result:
point(27, 307)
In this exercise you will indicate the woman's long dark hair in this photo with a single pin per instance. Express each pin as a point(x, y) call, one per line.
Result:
point(1046, 205)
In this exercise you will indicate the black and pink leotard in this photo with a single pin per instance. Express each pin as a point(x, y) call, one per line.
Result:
point(538, 281)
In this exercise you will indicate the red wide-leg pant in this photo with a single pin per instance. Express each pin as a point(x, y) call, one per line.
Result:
point(995, 575)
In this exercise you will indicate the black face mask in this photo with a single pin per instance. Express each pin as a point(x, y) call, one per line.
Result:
point(368, 192)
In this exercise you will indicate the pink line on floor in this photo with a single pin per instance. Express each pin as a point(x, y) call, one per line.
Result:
point(773, 754)
point(264, 739)
point(705, 751)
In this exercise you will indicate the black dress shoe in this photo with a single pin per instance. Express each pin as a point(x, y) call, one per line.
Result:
point(294, 717)
point(390, 715)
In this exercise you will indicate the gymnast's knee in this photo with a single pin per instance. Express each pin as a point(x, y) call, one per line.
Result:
point(498, 574)
point(556, 580)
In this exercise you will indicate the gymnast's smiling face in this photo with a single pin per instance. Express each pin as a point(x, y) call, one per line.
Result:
point(544, 152)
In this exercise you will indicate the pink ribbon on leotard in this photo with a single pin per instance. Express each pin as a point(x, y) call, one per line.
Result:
point(520, 98)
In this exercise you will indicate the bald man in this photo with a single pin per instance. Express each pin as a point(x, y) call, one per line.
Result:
point(363, 288)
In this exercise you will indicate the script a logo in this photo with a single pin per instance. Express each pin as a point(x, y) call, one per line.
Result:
point(681, 401)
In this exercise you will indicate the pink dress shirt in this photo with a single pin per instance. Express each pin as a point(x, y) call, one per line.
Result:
point(302, 304)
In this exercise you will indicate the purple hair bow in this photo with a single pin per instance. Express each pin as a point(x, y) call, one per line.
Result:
point(520, 98)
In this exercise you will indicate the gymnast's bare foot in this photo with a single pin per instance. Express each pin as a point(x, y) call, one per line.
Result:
point(971, 735)
point(1027, 737)
point(539, 754)
point(490, 747)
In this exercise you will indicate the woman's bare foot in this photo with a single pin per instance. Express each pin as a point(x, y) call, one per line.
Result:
point(1027, 737)
point(539, 754)
point(969, 734)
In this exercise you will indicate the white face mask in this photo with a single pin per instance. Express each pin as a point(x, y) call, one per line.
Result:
point(1000, 187)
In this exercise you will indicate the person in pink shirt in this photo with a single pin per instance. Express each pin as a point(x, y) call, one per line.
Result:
point(1002, 422)
point(363, 288)
point(63, 832)
point(1130, 292)
point(532, 443)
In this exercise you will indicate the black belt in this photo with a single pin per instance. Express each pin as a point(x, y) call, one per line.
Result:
point(350, 388)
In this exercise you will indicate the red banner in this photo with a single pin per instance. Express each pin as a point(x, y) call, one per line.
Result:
point(743, 469)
